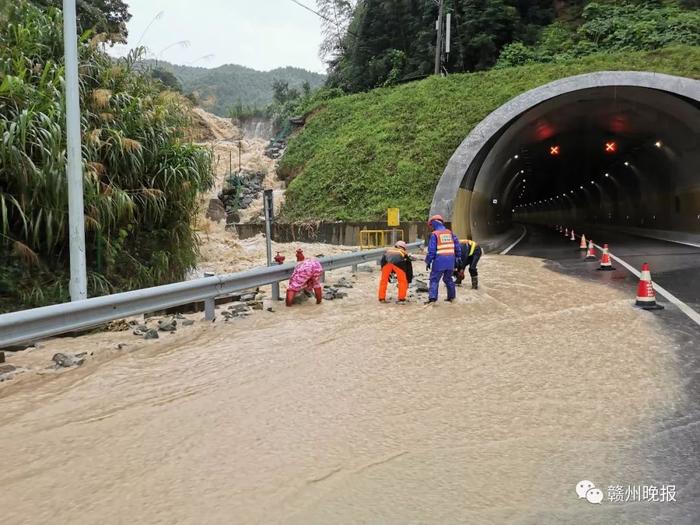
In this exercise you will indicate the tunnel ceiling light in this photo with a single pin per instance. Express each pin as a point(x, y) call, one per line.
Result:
point(515, 157)
point(592, 182)
point(611, 147)
point(554, 150)
point(522, 171)
point(581, 187)
point(627, 163)
point(657, 143)
point(572, 191)
point(607, 174)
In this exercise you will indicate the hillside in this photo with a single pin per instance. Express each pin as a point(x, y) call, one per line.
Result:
point(222, 87)
point(359, 154)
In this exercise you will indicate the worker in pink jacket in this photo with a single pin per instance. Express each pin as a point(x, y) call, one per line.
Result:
point(306, 276)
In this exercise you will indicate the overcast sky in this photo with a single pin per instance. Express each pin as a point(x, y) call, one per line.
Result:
point(262, 34)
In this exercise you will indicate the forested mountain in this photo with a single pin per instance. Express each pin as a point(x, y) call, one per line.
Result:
point(221, 88)
point(371, 43)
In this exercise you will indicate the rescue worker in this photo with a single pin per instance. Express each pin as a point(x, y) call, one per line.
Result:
point(443, 253)
point(471, 253)
point(397, 261)
point(307, 277)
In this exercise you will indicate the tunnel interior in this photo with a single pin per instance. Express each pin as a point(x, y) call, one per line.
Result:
point(613, 155)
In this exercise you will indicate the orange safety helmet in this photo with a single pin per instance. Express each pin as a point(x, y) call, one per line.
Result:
point(401, 244)
point(437, 217)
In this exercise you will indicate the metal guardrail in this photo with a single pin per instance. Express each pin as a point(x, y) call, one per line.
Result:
point(29, 325)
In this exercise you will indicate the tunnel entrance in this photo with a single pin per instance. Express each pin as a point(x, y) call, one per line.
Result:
point(613, 148)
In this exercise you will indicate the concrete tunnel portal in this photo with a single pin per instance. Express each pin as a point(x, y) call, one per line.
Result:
point(607, 148)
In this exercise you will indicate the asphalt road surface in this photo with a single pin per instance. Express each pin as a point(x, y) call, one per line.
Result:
point(675, 446)
point(674, 266)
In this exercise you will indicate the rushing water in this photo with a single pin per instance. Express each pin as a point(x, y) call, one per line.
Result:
point(485, 411)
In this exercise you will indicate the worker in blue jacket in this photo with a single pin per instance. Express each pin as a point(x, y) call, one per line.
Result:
point(443, 252)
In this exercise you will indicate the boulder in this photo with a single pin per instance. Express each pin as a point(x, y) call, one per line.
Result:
point(216, 210)
point(238, 309)
point(421, 286)
point(151, 333)
point(342, 283)
point(167, 325)
point(7, 371)
point(68, 360)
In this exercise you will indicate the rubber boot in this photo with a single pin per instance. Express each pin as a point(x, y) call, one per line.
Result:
point(290, 297)
point(475, 282)
point(318, 292)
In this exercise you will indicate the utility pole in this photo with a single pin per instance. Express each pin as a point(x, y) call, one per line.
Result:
point(74, 165)
point(438, 43)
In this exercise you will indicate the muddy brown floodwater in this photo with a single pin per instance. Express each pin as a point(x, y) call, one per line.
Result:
point(489, 410)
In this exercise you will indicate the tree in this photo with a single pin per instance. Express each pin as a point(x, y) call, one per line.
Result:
point(108, 17)
point(168, 80)
point(337, 15)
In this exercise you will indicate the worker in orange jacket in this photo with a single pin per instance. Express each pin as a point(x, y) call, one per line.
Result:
point(397, 261)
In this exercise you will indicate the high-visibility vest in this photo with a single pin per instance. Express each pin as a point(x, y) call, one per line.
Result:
point(472, 245)
point(445, 243)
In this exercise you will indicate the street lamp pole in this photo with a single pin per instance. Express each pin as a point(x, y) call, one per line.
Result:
point(74, 168)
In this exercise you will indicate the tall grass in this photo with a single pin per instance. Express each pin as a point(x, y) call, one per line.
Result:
point(141, 180)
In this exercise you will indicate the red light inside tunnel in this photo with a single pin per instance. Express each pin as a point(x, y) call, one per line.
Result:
point(554, 150)
point(610, 147)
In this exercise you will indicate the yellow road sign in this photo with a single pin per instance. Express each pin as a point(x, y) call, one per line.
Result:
point(392, 217)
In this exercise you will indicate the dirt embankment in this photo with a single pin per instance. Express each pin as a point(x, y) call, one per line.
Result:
point(233, 151)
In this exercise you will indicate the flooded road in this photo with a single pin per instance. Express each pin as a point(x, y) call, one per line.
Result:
point(489, 410)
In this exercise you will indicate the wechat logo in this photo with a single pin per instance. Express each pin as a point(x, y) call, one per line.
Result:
point(586, 489)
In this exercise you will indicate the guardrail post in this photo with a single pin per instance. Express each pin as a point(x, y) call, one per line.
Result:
point(275, 291)
point(209, 304)
point(354, 268)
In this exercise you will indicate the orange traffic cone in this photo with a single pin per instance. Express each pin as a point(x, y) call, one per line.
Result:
point(605, 264)
point(646, 296)
point(583, 245)
point(591, 251)
point(573, 235)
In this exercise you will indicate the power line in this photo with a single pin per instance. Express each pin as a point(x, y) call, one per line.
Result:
point(314, 12)
point(324, 17)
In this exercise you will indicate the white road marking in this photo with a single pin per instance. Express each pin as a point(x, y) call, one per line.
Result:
point(687, 310)
point(505, 252)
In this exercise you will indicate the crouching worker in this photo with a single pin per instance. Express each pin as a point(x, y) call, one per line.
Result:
point(397, 261)
point(471, 253)
point(307, 277)
point(443, 253)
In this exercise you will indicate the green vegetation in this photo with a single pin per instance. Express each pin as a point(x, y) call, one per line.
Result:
point(105, 17)
point(618, 27)
point(359, 154)
point(225, 88)
point(377, 43)
point(141, 180)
